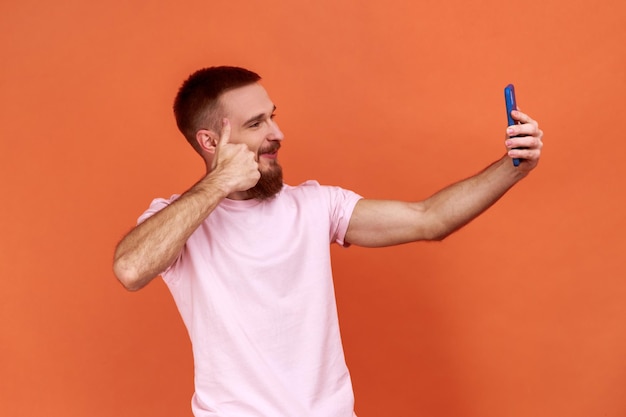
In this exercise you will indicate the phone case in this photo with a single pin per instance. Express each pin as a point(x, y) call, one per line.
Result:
point(511, 104)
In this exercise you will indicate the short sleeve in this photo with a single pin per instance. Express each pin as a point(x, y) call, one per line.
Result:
point(342, 205)
point(156, 205)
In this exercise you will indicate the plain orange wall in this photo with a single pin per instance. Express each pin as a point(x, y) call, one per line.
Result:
point(522, 313)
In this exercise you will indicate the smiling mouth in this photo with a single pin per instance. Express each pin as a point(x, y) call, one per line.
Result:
point(271, 156)
point(270, 152)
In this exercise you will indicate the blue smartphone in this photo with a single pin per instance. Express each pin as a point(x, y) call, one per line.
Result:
point(511, 104)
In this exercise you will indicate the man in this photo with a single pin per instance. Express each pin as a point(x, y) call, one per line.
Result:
point(247, 257)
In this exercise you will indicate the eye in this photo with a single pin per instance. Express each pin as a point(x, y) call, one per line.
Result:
point(255, 124)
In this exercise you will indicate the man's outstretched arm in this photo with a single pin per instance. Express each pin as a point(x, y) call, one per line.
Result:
point(376, 223)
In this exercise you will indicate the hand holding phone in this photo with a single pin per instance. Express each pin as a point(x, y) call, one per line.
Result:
point(511, 104)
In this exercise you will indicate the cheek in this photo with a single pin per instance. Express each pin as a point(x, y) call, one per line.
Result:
point(252, 142)
point(255, 144)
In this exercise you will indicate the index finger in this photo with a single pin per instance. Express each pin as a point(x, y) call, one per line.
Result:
point(521, 116)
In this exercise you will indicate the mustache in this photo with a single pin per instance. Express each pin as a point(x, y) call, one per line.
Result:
point(274, 147)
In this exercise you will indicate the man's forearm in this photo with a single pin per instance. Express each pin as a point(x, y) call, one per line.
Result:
point(458, 204)
point(152, 246)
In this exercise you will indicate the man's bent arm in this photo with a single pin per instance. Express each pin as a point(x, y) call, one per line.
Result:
point(154, 245)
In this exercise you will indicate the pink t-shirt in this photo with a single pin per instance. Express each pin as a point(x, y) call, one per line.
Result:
point(254, 287)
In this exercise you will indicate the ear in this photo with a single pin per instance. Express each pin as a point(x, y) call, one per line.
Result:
point(207, 139)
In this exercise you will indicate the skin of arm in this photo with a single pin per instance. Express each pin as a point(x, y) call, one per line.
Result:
point(151, 247)
point(377, 223)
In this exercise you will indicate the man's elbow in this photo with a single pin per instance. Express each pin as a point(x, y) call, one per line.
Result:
point(129, 277)
point(437, 232)
point(437, 237)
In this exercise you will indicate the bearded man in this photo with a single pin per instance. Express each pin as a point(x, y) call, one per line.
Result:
point(247, 258)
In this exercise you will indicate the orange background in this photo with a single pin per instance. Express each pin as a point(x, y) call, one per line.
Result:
point(522, 313)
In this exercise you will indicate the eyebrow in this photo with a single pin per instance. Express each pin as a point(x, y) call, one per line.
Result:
point(258, 117)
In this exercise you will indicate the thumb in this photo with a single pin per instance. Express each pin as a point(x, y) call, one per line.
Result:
point(225, 134)
point(222, 140)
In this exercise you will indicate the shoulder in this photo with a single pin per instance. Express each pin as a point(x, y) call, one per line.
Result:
point(312, 187)
point(302, 187)
point(312, 190)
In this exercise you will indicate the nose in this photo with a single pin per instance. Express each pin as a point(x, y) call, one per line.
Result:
point(275, 132)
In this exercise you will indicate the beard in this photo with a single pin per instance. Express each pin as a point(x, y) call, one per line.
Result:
point(270, 183)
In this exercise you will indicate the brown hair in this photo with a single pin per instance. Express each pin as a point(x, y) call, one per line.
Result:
point(196, 104)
